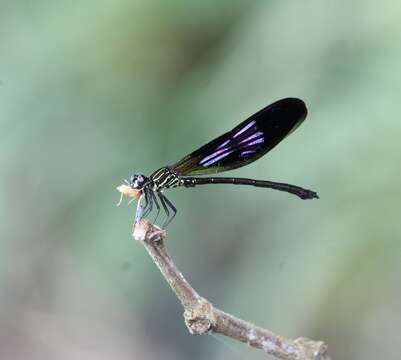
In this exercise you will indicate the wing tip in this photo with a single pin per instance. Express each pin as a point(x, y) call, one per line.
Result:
point(297, 106)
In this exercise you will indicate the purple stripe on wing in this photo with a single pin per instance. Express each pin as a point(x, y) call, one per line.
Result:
point(245, 128)
point(257, 141)
point(222, 156)
point(244, 143)
point(258, 134)
point(217, 152)
point(247, 153)
point(224, 144)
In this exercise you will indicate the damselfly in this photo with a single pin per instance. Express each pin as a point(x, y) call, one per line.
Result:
point(242, 145)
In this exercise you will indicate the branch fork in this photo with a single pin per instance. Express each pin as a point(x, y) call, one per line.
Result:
point(201, 317)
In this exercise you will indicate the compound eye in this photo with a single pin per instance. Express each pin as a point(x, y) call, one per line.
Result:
point(137, 181)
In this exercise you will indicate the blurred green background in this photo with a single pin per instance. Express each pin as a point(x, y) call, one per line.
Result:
point(92, 91)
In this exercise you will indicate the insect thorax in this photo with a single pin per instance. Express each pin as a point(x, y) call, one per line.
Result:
point(165, 178)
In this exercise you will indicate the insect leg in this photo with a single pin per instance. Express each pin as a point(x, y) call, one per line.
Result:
point(139, 211)
point(149, 207)
point(152, 194)
point(168, 204)
point(173, 209)
point(139, 208)
point(166, 210)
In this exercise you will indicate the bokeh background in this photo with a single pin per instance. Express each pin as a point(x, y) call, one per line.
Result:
point(92, 91)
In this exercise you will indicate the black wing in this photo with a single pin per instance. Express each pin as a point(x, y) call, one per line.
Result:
point(247, 142)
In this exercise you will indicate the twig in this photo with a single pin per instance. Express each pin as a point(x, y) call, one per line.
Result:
point(201, 317)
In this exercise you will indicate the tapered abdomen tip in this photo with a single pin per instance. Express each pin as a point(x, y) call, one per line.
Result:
point(308, 195)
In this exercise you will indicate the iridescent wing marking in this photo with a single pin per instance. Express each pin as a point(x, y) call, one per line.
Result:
point(230, 146)
point(247, 153)
point(225, 143)
point(217, 155)
point(245, 128)
point(246, 142)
